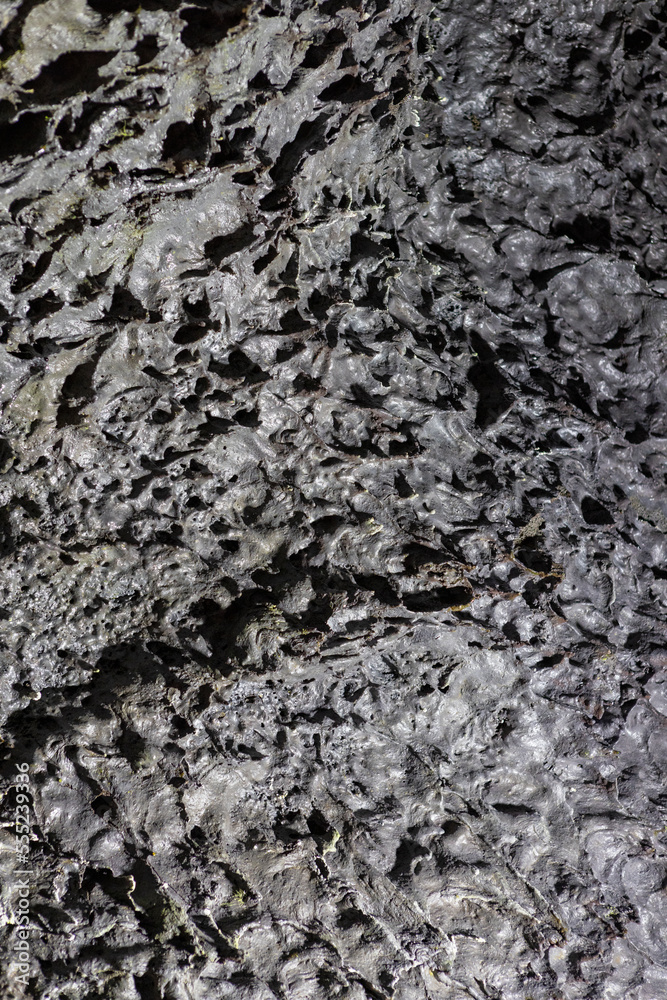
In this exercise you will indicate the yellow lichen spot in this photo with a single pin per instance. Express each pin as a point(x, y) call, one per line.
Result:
point(331, 846)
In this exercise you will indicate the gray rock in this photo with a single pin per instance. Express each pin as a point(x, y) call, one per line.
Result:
point(332, 432)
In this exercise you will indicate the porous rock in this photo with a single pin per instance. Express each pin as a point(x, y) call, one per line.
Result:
point(334, 525)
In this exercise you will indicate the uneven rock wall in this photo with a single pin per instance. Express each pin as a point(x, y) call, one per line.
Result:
point(332, 592)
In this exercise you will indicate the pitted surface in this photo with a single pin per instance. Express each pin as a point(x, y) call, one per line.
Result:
point(334, 524)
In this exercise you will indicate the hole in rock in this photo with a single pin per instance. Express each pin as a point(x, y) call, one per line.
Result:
point(71, 73)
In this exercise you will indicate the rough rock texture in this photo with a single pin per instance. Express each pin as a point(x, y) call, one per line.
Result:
point(334, 550)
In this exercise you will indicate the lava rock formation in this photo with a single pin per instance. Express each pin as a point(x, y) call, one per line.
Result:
point(333, 436)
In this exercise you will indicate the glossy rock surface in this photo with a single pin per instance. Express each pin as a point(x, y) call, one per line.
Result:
point(333, 528)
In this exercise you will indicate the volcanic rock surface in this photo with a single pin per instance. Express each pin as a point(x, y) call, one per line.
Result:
point(334, 560)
